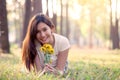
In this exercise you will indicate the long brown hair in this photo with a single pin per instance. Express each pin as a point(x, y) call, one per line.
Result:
point(29, 51)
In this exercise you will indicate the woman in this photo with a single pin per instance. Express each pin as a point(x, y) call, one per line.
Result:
point(41, 31)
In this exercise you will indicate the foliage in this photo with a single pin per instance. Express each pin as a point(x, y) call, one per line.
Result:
point(93, 14)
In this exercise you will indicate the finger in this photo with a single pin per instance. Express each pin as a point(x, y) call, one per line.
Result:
point(49, 69)
point(47, 65)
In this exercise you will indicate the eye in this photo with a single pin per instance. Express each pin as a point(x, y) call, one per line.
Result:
point(44, 29)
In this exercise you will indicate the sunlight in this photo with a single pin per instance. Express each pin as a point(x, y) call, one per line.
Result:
point(15, 16)
point(114, 5)
point(44, 8)
point(55, 6)
point(118, 4)
point(114, 8)
point(75, 11)
point(10, 2)
point(58, 10)
point(50, 8)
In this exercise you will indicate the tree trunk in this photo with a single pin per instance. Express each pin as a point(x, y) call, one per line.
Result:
point(4, 37)
point(47, 12)
point(54, 19)
point(114, 34)
point(67, 20)
point(26, 17)
point(36, 7)
point(115, 37)
point(61, 19)
point(91, 29)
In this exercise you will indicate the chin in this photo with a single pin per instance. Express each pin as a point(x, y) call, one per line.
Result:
point(44, 42)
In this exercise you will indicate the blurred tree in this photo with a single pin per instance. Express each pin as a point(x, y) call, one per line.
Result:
point(36, 7)
point(67, 20)
point(114, 35)
point(18, 21)
point(61, 18)
point(4, 37)
point(15, 20)
point(94, 20)
point(54, 18)
point(47, 12)
point(27, 17)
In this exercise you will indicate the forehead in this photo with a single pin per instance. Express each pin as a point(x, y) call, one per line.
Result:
point(42, 25)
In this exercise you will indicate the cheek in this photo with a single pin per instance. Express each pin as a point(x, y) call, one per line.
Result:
point(37, 36)
point(49, 34)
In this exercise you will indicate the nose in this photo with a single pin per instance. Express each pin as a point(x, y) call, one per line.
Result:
point(42, 34)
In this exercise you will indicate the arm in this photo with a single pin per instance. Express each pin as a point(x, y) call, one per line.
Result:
point(62, 58)
point(37, 63)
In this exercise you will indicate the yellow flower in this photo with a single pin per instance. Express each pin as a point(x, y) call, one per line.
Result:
point(51, 51)
point(47, 49)
point(48, 46)
point(43, 49)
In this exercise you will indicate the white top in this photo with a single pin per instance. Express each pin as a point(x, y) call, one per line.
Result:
point(61, 44)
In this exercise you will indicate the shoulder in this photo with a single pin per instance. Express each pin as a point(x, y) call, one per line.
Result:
point(62, 42)
point(60, 38)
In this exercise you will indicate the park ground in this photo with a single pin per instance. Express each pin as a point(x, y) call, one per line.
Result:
point(84, 64)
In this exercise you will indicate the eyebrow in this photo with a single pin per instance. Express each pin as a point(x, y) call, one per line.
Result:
point(42, 28)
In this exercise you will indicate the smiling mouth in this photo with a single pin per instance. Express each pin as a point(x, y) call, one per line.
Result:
point(43, 40)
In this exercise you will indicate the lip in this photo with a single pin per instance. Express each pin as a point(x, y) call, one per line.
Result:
point(43, 40)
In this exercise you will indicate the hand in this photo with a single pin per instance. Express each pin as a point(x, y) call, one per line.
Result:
point(49, 68)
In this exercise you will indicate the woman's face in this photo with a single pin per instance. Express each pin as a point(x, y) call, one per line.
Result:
point(44, 33)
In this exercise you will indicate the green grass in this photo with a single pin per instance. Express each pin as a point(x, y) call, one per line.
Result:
point(84, 64)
